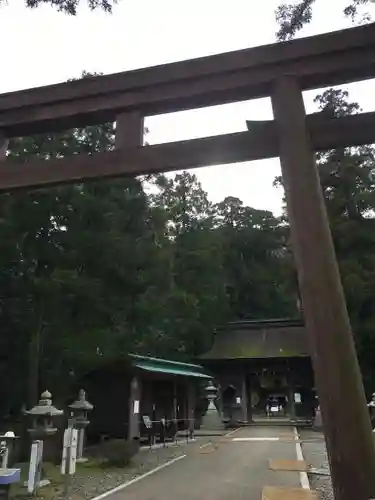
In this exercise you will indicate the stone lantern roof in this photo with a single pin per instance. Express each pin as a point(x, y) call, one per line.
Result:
point(45, 407)
point(81, 404)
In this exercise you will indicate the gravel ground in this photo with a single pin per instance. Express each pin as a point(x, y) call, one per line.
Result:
point(315, 453)
point(91, 479)
point(88, 483)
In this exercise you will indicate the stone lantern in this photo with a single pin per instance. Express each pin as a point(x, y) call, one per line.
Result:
point(43, 415)
point(80, 408)
point(211, 421)
point(7, 442)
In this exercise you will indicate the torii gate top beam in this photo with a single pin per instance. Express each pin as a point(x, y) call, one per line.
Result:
point(318, 61)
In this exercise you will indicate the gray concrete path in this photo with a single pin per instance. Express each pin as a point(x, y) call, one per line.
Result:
point(227, 470)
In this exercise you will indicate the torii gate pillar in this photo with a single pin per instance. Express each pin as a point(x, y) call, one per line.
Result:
point(346, 421)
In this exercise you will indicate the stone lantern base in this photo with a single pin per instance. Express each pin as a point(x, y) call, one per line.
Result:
point(318, 422)
point(211, 421)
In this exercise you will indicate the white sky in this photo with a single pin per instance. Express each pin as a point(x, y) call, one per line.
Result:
point(43, 46)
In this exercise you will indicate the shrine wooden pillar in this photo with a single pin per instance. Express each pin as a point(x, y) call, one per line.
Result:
point(190, 413)
point(249, 401)
point(291, 391)
point(175, 407)
point(244, 399)
point(134, 408)
point(346, 421)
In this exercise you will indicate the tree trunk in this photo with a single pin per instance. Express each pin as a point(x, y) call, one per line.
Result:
point(34, 364)
point(33, 382)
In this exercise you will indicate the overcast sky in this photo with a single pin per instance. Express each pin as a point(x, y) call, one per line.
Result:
point(43, 46)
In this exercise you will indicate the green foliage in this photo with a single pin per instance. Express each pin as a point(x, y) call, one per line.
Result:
point(70, 6)
point(293, 17)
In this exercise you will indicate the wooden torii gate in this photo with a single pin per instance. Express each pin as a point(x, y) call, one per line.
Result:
point(281, 71)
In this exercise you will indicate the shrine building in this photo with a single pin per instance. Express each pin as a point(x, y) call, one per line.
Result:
point(261, 365)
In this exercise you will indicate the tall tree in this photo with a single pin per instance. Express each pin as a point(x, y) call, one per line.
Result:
point(256, 261)
point(196, 298)
point(71, 258)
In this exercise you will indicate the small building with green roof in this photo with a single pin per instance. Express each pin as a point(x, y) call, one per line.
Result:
point(127, 390)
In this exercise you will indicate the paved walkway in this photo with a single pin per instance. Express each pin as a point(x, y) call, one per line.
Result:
point(228, 469)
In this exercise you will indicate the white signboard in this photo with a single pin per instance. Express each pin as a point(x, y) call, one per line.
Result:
point(238, 401)
point(136, 407)
point(297, 397)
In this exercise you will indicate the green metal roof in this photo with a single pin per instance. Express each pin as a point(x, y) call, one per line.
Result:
point(167, 366)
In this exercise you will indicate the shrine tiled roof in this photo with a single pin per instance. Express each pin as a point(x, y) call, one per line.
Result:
point(259, 339)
